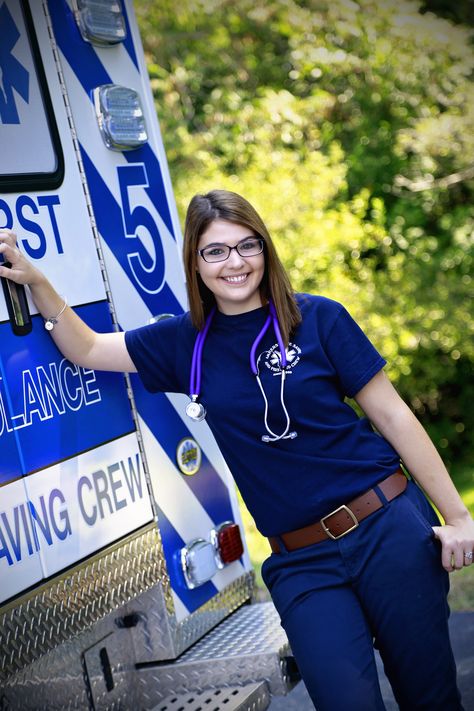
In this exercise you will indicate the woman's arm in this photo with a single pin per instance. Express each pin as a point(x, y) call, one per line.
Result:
point(396, 422)
point(76, 341)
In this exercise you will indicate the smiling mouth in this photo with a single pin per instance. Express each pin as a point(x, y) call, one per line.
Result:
point(236, 279)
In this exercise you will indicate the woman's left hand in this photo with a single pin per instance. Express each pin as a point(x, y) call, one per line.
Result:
point(457, 543)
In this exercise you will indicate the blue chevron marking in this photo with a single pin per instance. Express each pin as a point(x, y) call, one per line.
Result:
point(91, 73)
point(172, 544)
point(169, 429)
point(111, 227)
point(128, 44)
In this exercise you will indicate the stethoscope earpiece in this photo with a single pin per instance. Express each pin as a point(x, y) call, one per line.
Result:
point(290, 435)
point(197, 412)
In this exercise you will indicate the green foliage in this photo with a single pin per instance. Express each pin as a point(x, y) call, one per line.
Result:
point(349, 126)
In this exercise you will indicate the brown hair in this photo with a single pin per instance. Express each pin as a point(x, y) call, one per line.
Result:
point(226, 205)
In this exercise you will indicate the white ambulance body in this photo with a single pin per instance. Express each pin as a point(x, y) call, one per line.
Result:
point(120, 541)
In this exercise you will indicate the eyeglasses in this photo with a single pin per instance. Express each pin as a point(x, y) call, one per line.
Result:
point(249, 247)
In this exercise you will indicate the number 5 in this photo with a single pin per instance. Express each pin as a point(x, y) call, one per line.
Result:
point(148, 269)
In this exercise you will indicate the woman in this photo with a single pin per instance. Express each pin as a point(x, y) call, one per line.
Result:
point(358, 552)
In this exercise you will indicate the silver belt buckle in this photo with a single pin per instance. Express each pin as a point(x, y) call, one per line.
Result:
point(351, 515)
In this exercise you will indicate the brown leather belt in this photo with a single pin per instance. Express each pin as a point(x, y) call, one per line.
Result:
point(344, 519)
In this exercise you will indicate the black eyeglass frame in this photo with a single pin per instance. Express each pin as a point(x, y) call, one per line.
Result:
point(229, 249)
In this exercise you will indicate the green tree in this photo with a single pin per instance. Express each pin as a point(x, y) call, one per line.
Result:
point(349, 126)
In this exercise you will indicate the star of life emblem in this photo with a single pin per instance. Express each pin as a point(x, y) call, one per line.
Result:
point(272, 358)
point(14, 78)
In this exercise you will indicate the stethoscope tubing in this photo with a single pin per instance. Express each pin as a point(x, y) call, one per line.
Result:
point(253, 362)
point(196, 364)
point(196, 371)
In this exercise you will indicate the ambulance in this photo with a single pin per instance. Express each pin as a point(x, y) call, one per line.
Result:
point(125, 582)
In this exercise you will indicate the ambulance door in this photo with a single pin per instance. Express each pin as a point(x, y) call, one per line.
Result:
point(131, 194)
point(71, 474)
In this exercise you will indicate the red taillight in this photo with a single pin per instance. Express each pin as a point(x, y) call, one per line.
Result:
point(229, 542)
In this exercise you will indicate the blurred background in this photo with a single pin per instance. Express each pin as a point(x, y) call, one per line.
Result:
point(349, 126)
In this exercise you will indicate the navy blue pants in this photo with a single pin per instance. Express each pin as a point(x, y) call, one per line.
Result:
point(383, 585)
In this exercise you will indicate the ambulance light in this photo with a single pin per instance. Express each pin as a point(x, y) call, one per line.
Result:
point(198, 562)
point(100, 22)
point(159, 317)
point(227, 543)
point(120, 117)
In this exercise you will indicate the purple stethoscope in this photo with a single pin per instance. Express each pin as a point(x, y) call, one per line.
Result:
point(197, 412)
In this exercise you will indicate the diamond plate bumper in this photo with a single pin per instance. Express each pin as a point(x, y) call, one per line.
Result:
point(47, 637)
point(251, 697)
point(248, 647)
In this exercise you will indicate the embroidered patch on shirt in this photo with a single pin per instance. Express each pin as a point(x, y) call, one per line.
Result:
point(272, 357)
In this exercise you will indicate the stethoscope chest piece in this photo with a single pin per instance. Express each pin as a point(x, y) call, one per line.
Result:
point(196, 411)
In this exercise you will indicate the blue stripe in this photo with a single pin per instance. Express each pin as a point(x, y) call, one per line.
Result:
point(11, 462)
point(91, 73)
point(63, 20)
point(108, 215)
point(169, 429)
point(172, 545)
point(128, 44)
point(79, 53)
point(156, 190)
point(86, 401)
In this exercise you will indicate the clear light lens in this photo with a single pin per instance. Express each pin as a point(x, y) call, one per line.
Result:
point(159, 317)
point(101, 21)
point(198, 562)
point(227, 543)
point(120, 117)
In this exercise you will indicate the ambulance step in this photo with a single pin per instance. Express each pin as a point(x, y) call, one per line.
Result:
point(247, 648)
point(251, 697)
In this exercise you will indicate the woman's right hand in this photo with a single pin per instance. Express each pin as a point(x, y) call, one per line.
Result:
point(21, 271)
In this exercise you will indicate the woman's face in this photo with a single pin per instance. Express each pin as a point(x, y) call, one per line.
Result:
point(235, 281)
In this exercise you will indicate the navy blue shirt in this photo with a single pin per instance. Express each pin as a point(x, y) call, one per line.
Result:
point(336, 455)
